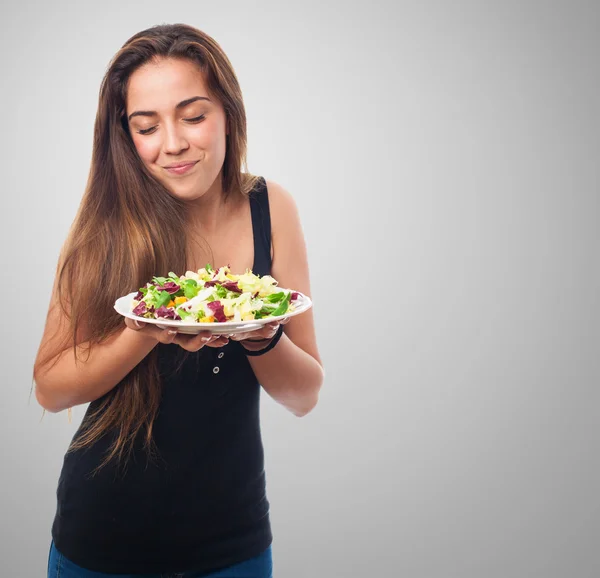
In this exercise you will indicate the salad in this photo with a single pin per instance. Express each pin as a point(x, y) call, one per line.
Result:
point(210, 296)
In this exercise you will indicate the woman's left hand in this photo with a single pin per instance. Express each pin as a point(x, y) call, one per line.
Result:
point(259, 337)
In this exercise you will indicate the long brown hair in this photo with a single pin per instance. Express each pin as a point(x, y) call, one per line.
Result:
point(129, 228)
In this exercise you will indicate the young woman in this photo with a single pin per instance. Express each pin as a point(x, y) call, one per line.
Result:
point(165, 476)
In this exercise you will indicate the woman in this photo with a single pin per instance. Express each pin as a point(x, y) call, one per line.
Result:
point(165, 476)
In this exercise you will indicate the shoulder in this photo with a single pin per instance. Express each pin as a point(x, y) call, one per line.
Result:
point(280, 199)
point(282, 206)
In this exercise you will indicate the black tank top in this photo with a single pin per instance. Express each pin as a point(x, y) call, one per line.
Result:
point(202, 505)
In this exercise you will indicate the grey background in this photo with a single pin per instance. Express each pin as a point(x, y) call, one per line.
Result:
point(444, 158)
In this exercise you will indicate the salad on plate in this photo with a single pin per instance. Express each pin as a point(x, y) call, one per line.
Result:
point(214, 296)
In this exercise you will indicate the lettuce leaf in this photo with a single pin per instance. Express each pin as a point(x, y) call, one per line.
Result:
point(283, 306)
point(275, 297)
point(190, 288)
point(163, 298)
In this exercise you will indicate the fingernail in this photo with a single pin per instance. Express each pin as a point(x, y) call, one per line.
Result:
point(171, 332)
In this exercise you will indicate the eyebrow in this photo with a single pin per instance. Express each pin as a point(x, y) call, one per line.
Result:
point(180, 105)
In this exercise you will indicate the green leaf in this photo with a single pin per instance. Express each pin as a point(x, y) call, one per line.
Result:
point(267, 309)
point(209, 269)
point(159, 280)
point(190, 290)
point(152, 295)
point(275, 297)
point(163, 298)
point(283, 306)
point(173, 276)
point(221, 291)
point(183, 313)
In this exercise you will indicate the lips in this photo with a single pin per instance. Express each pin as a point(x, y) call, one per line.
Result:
point(180, 168)
point(179, 165)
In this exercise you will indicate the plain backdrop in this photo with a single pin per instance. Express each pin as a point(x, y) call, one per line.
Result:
point(444, 157)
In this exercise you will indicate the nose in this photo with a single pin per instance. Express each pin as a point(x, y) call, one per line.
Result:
point(174, 140)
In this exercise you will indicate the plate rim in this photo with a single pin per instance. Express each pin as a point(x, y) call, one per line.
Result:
point(215, 324)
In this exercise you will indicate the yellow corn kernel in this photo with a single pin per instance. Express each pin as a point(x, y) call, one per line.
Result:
point(207, 319)
point(180, 300)
point(171, 303)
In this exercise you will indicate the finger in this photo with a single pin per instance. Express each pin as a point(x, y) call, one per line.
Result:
point(266, 332)
point(193, 342)
point(271, 330)
point(134, 324)
point(219, 341)
point(163, 335)
point(255, 334)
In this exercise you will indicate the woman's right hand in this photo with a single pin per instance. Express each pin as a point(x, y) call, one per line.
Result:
point(170, 335)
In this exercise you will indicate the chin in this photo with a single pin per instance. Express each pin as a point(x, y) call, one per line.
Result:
point(188, 192)
point(185, 195)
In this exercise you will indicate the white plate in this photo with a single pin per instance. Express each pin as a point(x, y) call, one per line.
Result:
point(123, 307)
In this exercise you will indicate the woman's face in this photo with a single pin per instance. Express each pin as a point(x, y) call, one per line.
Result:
point(173, 119)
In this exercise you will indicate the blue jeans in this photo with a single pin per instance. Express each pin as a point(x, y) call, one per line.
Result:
point(259, 567)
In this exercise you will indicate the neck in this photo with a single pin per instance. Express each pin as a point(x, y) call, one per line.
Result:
point(208, 212)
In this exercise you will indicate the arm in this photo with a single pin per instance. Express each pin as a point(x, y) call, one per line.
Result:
point(292, 372)
point(61, 384)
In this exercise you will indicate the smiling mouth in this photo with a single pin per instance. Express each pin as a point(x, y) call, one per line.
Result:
point(181, 169)
point(180, 165)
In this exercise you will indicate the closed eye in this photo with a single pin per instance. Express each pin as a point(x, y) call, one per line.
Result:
point(194, 120)
point(197, 119)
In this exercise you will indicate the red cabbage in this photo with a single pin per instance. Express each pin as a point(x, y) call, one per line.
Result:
point(140, 309)
point(217, 310)
point(232, 286)
point(170, 287)
point(166, 313)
